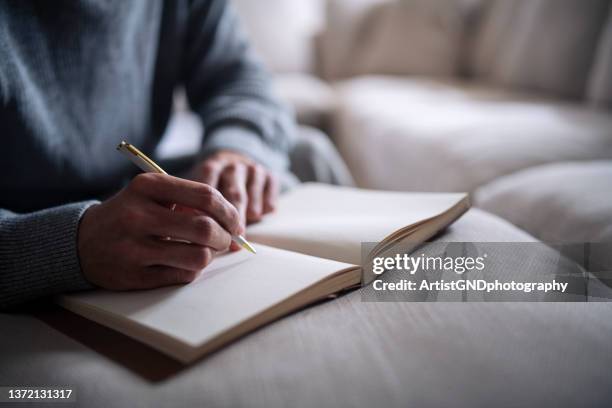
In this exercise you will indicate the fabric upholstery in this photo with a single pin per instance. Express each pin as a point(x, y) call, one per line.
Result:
point(564, 202)
point(545, 45)
point(600, 81)
point(315, 158)
point(418, 134)
point(345, 352)
point(312, 99)
point(282, 31)
point(336, 43)
point(411, 37)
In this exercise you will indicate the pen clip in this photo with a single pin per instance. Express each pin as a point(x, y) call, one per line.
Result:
point(139, 158)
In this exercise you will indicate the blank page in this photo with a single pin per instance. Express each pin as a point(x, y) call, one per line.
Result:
point(332, 222)
point(234, 288)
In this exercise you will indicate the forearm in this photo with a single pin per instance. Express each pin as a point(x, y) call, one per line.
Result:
point(245, 141)
point(38, 253)
point(231, 91)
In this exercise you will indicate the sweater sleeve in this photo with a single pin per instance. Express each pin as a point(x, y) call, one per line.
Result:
point(38, 253)
point(230, 90)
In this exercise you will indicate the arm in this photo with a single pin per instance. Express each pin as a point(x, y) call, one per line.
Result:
point(248, 132)
point(229, 89)
point(115, 244)
point(38, 253)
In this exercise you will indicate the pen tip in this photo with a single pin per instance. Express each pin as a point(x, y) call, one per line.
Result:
point(239, 239)
point(250, 249)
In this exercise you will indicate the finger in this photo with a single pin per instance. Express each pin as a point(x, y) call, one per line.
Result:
point(210, 171)
point(270, 193)
point(255, 191)
point(162, 188)
point(198, 229)
point(233, 187)
point(185, 210)
point(158, 276)
point(178, 255)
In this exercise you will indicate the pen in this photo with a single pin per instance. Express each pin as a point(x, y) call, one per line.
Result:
point(149, 166)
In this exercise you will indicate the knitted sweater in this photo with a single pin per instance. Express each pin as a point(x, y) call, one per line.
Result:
point(76, 78)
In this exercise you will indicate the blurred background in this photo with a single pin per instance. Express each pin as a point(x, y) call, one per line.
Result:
point(509, 100)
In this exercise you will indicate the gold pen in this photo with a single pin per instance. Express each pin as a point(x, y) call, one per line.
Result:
point(149, 166)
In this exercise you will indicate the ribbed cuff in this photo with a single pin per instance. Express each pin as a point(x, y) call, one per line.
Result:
point(39, 253)
point(243, 140)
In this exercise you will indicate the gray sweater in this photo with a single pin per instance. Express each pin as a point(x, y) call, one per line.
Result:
point(76, 78)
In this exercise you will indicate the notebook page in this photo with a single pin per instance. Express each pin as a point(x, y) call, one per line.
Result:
point(233, 288)
point(331, 222)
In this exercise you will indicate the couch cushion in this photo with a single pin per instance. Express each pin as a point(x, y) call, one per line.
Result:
point(565, 202)
point(417, 134)
point(546, 45)
point(412, 37)
point(600, 82)
point(335, 44)
point(312, 99)
point(345, 352)
point(394, 36)
point(282, 31)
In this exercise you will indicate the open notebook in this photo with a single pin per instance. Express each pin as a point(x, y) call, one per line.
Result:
point(308, 249)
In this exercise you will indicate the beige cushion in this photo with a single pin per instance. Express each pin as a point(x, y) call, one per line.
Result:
point(546, 45)
point(335, 44)
point(565, 202)
point(411, 37)
point(282, 31)
point(312, 99)
point(417, 134)
point(600, 83)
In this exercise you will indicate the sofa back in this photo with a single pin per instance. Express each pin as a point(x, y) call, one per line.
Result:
point(283, 31)
point(600, 81)
point(336, 39)
point(540, 45)
point(560, 47)
point(339, 38)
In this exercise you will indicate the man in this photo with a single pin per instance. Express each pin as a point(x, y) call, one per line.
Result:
point(76, 78)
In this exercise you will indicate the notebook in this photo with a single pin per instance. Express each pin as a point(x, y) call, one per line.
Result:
point(309, 249)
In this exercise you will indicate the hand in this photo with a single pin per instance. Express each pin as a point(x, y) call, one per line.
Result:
point(121, 241)
point(246, 184)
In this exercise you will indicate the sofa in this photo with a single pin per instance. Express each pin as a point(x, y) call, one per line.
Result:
point(347, 352)
point(416, 95)
point(508, 100)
